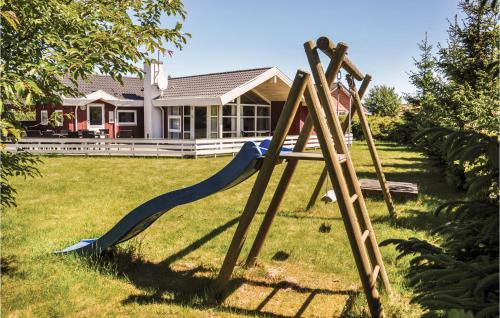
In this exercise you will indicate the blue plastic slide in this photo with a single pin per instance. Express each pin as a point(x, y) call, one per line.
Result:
point(244, 165)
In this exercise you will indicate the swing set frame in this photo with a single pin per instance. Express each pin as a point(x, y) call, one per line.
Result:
point(339, 167)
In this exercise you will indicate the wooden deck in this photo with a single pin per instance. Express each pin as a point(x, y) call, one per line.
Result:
point(142, 147)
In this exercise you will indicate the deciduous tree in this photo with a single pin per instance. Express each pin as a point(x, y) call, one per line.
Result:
point(44, 41)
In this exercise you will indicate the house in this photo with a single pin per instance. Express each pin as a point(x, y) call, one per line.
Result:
point(241, 103)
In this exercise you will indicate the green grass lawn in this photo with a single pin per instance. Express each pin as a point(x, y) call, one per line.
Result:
point(167, 269)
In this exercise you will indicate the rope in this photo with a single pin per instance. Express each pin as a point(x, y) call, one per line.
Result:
point(339, 78)
point(352, 87)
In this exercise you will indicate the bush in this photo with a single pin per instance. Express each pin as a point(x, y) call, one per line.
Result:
point(461, 273)
point(387, 128)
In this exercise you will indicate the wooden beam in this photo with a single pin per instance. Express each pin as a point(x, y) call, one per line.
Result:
point(333, 69)
point(262, 181)
point(373, 153)
point(317, 188)
point(345, 127)
point(328, 47)
point(341, 181)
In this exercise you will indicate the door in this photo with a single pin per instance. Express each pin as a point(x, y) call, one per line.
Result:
point(200, 122)
point(95, 115)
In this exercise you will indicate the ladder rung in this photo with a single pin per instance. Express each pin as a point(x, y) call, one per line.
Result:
point(376, 271)
point(307, 156)
point(365, 235)
point(354, 198)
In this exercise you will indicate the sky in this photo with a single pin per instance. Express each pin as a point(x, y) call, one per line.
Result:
point(382, 35)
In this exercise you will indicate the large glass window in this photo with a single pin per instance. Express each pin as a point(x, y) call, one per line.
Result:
point(230, 120)
point(214, 121)
point(126, 117)
point(187, 122)
point(174, 122)
point(96, 116)
point(256, 120)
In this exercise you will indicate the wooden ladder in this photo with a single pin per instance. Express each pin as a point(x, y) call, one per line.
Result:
point(346, 185)
point(324, 120)
point(328, 47)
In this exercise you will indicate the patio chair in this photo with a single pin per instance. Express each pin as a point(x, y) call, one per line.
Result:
point(88, 134)
point(104, 132)
point(33, 133)
point(73, 134)
point(48, 134)
point(125, 134)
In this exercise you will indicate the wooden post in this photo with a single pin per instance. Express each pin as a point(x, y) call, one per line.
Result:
point(373, 152)
point(333, 69)
point(260, 185)
point(317, 189)
point(345, 127)
point(340, 181)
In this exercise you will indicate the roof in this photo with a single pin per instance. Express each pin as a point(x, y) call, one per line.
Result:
point(132, 87)
point(210, 85)
point(221, 88)
point(209, 89)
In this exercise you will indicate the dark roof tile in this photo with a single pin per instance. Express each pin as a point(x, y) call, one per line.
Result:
point(210, 85)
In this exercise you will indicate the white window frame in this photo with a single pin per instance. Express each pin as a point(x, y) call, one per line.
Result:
point(255, 117)
point(209, 122)
point(95, 127)
point(111, 117)
point(126, 123)
point(191, 122)
point(178, 117)
point(61, 123)
point(44, 117)
point(236, 132)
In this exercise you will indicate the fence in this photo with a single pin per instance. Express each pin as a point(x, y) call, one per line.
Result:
point(143, 147)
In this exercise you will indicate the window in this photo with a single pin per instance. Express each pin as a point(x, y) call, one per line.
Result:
point(111, 116)
point(229, 120)
point(95, 116)
point(44, 117)
point(256, 120)
point(187, 122)
point(126, 117)
point(58, 118)
point(214, 121)
point(174, 122)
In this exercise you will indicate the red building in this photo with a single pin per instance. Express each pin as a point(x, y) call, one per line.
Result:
point(219, 105)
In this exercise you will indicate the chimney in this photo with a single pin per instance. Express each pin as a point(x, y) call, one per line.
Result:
point(153, 75)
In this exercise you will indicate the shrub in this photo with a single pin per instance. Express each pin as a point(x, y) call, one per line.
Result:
point(383, 100)
point(387, 128)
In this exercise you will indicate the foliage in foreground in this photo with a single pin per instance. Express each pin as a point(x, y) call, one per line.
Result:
point(44, 41)
point(462, 272)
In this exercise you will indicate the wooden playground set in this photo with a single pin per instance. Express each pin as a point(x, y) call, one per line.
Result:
point(314, 91)
point(338, 167)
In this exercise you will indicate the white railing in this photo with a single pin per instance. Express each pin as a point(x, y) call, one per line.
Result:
point(144, 147)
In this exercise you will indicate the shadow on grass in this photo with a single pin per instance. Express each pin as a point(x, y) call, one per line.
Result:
point(9, 268)
point(415, 220)
point(188, 285)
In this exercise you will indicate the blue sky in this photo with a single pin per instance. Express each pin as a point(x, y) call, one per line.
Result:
point(382, 35)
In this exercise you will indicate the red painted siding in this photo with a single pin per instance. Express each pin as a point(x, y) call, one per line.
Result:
point(298, 121)
point(300, 117)
point(81, 118)
point(138, 130)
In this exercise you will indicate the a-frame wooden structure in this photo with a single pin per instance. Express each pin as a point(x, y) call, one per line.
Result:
point(325, 121)
point(381, 184)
